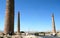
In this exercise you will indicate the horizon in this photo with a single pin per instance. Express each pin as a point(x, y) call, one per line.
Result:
point(35, 14)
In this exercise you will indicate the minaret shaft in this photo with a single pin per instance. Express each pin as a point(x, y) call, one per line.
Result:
point(9, 18)
point(53, 24)
point(18, 30)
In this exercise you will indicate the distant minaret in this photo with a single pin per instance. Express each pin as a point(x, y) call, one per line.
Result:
point(9, 18)
point(53, 25)
point(18, 26)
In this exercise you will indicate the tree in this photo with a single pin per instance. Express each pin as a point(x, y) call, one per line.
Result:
point(37, 34)
point(22, 32)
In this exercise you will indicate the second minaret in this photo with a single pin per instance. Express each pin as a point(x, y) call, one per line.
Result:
point(18, 26)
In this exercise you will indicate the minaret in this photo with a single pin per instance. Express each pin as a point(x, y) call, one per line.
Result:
point(18, 26)
point(9, 18)
point(53, 25)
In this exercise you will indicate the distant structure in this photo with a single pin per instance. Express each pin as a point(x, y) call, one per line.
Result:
point(18, 26)
point(53, 25)
point(9, 18)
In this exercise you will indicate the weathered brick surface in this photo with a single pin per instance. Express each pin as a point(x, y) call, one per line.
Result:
point(53, 24)
point(9, 18)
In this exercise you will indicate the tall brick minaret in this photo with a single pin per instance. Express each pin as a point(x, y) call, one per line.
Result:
point(9, 18)
point(18, 23)
point(53, 25)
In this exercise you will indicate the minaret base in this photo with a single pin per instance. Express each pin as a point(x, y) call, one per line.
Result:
point(18, 33)
point(54, 34)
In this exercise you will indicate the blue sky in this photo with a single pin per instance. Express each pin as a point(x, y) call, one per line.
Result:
point(35, 14)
